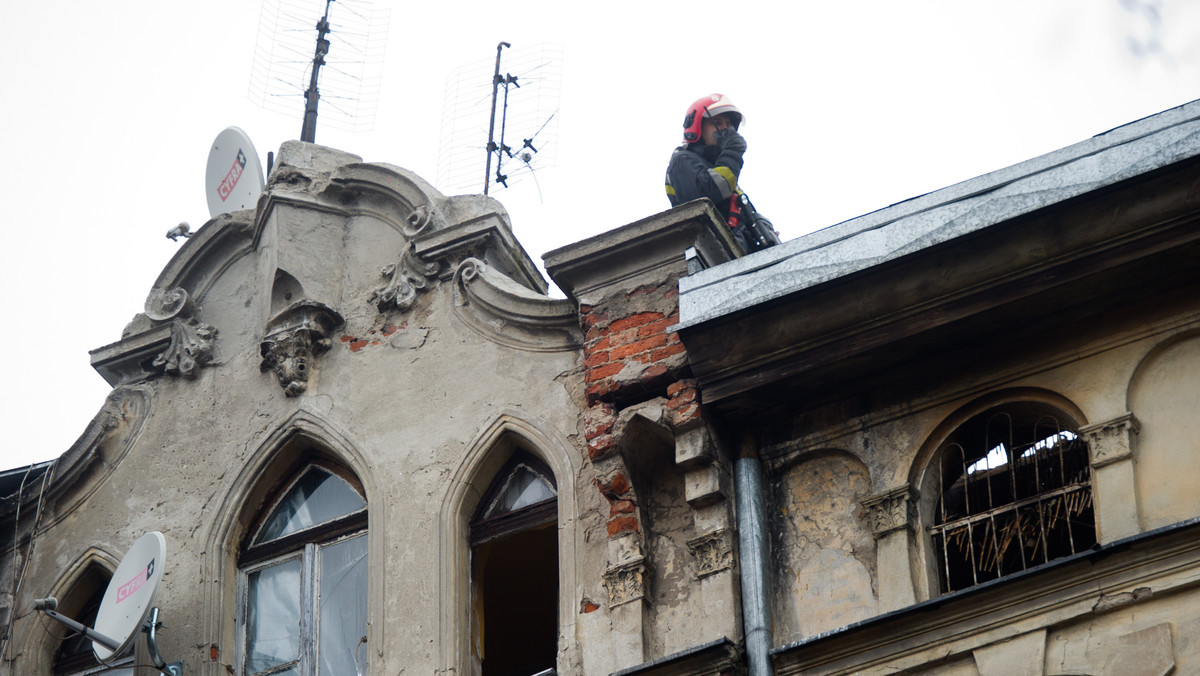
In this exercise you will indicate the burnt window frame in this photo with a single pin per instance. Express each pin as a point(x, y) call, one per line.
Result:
point(304, 545)
point(1041, 488)
point(484, 533)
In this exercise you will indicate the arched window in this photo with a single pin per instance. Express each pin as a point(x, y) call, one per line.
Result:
point(514, 570)
point(1014, 492)
point(303, 580)
point(74, 656)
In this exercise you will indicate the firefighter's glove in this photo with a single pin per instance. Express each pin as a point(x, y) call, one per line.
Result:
point(729, 141)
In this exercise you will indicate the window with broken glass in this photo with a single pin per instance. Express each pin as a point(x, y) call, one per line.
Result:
point(303, 583)
point(1015, 492)
point(514, 571)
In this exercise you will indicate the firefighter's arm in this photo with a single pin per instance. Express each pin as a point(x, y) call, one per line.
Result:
point(729, 161)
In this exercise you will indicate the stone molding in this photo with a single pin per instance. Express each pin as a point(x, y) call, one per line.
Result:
point(507, 312)
point(1111, 441)
point(626, 583)
point(294, 338)
point(891, 510)
point(713, 552)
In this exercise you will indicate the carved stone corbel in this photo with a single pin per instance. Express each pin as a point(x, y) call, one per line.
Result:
point(294, 338)
point(891, 510)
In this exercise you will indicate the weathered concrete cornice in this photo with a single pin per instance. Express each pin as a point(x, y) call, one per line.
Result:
point(443, 231)
point(487, 237)
point(714, 658)
point(957, 211)
point(508, 313)
point(649, 250)
point(169, 338)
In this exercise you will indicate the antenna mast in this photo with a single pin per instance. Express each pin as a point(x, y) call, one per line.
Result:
point(308, 133)
point(491, 146)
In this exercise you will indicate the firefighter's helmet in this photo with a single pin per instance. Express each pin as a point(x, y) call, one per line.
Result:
point(708, 107)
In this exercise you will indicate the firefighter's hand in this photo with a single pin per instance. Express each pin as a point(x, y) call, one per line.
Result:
point(728, 140)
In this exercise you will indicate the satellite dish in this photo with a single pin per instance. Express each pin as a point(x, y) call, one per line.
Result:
point(130, 595)
point(233, 179)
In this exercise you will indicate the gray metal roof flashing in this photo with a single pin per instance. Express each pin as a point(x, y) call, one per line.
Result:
point(848, 247)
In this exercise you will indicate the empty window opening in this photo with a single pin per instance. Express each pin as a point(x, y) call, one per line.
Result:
point(1015, 492)
point(514, 560)
point(74, 656)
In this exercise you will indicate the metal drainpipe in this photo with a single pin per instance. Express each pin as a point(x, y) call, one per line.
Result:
point(752, 548)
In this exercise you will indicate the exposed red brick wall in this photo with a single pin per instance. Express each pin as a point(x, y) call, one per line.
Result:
point(628, 353)
point(629, 356)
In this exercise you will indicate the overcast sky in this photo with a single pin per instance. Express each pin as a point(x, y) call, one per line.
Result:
point(111, 108)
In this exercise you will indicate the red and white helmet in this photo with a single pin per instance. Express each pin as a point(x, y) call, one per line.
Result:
point(708, 107)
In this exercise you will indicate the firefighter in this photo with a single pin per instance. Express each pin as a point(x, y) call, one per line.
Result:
point(710, 160)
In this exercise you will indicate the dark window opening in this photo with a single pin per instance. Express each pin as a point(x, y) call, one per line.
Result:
point(1015, 492)
point(74, 656)
point(514, 554)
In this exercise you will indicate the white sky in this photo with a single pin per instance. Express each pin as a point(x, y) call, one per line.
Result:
point(111, 107)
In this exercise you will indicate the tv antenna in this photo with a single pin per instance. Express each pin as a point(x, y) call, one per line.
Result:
point(128, 606)
point(522, 123)
point(344, 71)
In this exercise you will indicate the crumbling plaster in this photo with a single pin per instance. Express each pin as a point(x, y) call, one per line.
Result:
point(397, 399)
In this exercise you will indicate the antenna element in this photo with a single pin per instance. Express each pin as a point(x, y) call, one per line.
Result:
point(308, 132)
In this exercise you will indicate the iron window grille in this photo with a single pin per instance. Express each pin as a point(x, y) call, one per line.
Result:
point(1015, 492)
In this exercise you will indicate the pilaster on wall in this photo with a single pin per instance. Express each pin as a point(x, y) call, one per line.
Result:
point(644, 408)
point(1111, 447)
point(891, 514)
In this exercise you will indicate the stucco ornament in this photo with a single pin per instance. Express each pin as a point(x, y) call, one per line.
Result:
point(713, 553)
point(408, 275)
point(891, 510)
point(1112, 440)
point(192, 344)
point(626, 583)
point(293, 340)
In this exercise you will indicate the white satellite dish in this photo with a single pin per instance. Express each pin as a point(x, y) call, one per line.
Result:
point(233, 179)
point(130, 595)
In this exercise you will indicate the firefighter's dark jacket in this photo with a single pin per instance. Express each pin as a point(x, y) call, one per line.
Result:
point(697, 170)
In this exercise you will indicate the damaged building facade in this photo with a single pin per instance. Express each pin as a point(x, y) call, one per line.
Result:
point(951, 436)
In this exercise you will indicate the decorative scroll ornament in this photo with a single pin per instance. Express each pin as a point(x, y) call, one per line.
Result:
point(406, 277)
point(713, 553)
point(191, 346)
point(295, 337)
point(417, 221)
point(626, 583)
point(505, 312)
point(891, 510)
